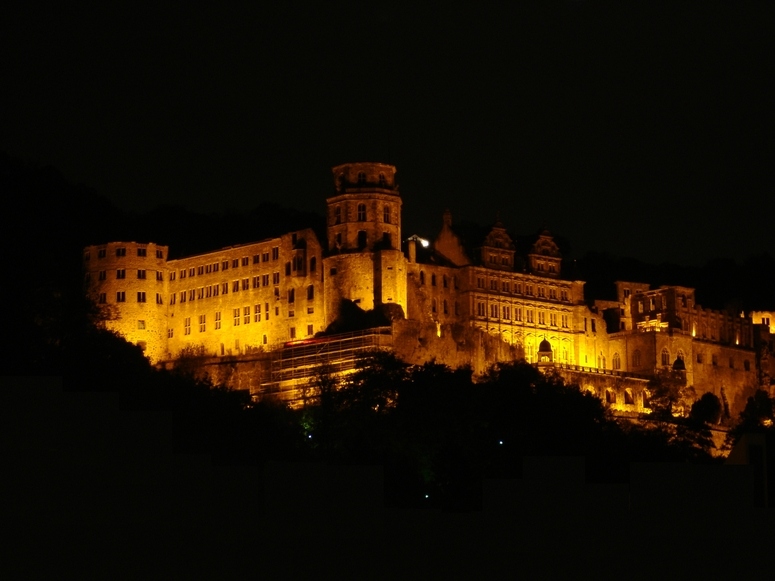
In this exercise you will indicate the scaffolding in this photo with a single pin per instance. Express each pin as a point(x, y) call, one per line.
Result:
point(338, 354)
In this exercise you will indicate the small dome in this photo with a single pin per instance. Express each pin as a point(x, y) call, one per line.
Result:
point(545, 346)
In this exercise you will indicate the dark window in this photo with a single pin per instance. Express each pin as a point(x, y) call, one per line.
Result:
point(362, 239)
point(361, 212)
point(141, 252)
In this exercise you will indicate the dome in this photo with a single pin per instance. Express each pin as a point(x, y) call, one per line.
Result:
point(679, 365)
point(545, 346)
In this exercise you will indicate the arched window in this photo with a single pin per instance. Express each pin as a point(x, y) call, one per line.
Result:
point(433, 280)
point(616, 362)
point(665, 357)
point(610, 396)
point(636, 358)
point(362, 239)
point(646, 399)
point(361, 212)
point(628, 399)
point(681, 354)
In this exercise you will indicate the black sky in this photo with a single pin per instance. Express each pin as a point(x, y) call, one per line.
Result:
point(641, 131)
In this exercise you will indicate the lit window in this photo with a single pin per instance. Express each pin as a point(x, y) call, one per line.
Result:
point(246, 315)
point(236, 317)
point(217, 320)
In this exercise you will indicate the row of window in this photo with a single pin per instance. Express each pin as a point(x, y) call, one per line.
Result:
point(504, 312)
point(444, 280)
point(361, 214)
point(241, 316)
point(121, 297)
point(121, 252)
point(516, 288)
point(214, 290)
point(224, 265)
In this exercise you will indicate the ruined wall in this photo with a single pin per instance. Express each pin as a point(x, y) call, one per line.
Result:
point(455, 345)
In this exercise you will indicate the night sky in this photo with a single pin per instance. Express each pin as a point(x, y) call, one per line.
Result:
point(641, 131)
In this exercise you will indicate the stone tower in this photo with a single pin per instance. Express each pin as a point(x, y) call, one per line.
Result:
point(365, 264)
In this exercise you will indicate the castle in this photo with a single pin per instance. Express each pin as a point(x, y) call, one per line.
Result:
point(455, 300)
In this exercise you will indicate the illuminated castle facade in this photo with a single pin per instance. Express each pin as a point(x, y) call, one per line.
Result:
point(457, 301)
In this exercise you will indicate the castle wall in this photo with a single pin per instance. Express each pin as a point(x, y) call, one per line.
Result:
point(129, 281)
point(247, 298)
